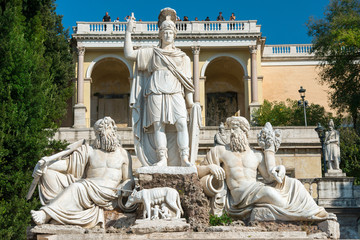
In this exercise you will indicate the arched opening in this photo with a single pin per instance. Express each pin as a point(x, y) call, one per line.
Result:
point(224, 89)
point(110, 91)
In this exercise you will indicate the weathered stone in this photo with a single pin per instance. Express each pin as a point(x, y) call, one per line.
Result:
point(187, 235)
point(331, 228)
point(57, 229)
point(319, 235)
point(143, 171)
point(143, 226)
point(232, 229)
point(119, 220)
point(335, 173)
point(193, 200)
point(261, 214)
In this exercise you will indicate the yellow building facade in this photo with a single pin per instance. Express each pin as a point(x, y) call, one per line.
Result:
point(233, 72)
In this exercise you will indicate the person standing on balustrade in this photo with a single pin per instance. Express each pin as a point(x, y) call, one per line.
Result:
point(232, 18)
point(106, 18)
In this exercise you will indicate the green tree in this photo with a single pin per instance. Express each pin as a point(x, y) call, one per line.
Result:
point(35, 74)
point(290, 114)
point(350, 153)
point(336, 42)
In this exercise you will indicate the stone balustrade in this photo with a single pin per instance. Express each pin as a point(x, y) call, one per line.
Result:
point(190, 27)
point(287, 50)
point(311, 184)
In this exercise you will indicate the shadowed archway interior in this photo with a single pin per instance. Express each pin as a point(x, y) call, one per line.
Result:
point(110, 92)
point(224, 89)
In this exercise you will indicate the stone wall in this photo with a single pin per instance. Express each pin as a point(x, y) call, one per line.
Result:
point(300, 151)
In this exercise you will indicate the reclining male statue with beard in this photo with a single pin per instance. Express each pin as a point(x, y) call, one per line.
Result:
point(237, 164)
point(78, 188)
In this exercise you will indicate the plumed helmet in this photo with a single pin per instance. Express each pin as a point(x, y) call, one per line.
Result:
point(167, 19)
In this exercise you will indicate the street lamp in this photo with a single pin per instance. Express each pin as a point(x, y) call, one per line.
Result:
point(321, 133)
point(303, 102)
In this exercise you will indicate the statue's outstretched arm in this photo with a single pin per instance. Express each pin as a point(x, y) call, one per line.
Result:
point(129, 51)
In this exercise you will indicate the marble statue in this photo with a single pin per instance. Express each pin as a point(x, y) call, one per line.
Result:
point(332, 147)
point(237, 164)
point(221, 138)
point(77, 187)
point(155, 212)
point(155, 196)
point(161, 93)
point(164, 212)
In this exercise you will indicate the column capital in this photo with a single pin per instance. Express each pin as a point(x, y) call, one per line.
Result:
point(81, 50)
point(195, 50)
point(253, 49)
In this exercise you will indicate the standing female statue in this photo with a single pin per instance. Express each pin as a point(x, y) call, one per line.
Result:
point(160, 94)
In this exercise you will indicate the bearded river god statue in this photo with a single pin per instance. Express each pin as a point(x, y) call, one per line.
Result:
point(236, 164)
point(161, 93)
point(78, 184)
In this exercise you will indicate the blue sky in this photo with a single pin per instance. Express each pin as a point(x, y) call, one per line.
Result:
point(282, 21)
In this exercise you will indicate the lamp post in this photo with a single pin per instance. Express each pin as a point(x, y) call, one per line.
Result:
point(321, 133)
point(303, 102)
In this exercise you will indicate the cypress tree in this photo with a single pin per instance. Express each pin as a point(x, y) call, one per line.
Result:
point(35, 73)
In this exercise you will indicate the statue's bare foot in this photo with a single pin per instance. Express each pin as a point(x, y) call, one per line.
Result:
point(332, 216)
point(188, 164)
point(161, 163)
point(39, 217)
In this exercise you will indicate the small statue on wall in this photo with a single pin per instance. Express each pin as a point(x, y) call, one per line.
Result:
point(332, 147)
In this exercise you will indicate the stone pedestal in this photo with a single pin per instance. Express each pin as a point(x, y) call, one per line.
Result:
point(79, 116)
point(335, 173)
point(186, 182)
point(143, 226)
point(336, 192)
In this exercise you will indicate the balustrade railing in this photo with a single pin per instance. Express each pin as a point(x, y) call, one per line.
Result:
point(182, 27)
point(286, 50)
point(311, 184)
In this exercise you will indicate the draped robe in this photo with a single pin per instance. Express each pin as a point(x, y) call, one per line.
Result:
point(157, 95)
point(70, 198)
point(242, 200)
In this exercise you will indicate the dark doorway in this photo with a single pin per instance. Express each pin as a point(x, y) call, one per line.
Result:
point(220, 106)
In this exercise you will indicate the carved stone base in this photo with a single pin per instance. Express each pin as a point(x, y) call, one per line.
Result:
point(143, 226)
point(335, 173)
point(79, 116)
point(336, 192)
point(186, 182)
point(331, 228)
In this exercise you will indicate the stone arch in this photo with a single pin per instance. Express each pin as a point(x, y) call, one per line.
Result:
point(239, 60)
point(224, 88)
point(96, 60)
point(110, 89)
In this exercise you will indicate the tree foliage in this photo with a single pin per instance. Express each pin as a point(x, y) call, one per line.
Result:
point(290, 114)
point(35, 73)
point(350, 153)
point(336, 42)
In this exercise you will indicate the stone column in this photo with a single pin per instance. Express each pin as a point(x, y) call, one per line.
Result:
point(196, 77)
point(79, 108)
point(254, 83)
point(254, 105)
